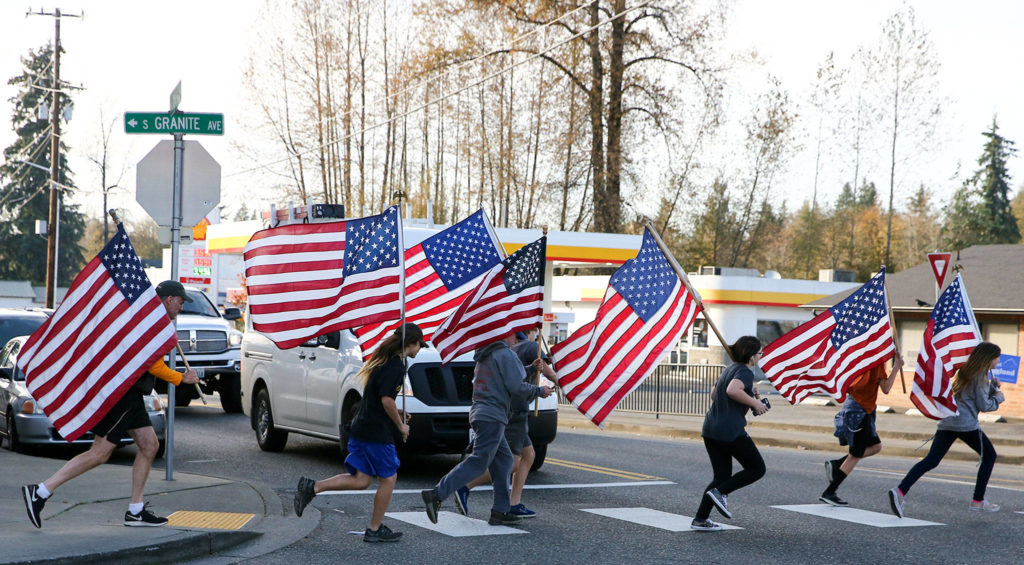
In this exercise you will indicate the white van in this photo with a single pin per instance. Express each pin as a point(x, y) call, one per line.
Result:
point(311, 390)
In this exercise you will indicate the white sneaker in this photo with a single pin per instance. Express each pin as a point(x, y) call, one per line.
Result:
point(984, 505)
point(896, 502)
point(705, 526)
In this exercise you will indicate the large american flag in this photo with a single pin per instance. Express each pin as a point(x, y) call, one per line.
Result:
point(109, 329)
point(645, 312)
point(439, 273)
point(305, 280)
point(951, 335)
point(510, 298)
point(823, 354)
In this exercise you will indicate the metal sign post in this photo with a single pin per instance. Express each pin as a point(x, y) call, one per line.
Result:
point(179, 163)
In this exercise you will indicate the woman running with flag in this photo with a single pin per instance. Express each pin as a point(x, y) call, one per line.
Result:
point(724, 436)
point(974, 392)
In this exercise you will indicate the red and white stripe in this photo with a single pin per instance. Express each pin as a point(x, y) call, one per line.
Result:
point(297, 288)
point(94, 347)
point(488, 314)
point(803, 361)
point(606, 359)
point(428, 302)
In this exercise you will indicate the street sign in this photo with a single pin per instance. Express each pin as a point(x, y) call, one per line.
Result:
point(940, 266)
point(176, 97)
point(162, 122)
point(154, 183)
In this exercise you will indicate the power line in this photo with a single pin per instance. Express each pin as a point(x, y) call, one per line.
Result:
point(450, 94)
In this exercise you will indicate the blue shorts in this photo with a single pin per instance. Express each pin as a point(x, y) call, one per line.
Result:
point(374, 459)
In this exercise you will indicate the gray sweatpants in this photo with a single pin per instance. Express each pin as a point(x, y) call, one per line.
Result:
point(490, 453)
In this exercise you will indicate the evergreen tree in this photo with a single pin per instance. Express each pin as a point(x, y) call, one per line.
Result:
point(25, 194)
point(981, 214)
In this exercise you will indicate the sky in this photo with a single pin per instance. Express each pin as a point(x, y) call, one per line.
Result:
point(128, 56)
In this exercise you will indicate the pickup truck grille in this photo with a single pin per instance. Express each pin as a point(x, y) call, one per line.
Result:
point(449, 385)
point(202, 341)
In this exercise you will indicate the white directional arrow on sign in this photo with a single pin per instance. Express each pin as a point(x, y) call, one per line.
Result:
point(132, 122)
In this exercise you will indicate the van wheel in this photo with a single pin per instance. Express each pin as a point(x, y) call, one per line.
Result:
point(268, 437)
point(231, 393)
point(541, 449)
point(348, 415)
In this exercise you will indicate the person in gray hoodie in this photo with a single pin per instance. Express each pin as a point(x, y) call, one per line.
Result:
point(497, 384)
point(974, 392)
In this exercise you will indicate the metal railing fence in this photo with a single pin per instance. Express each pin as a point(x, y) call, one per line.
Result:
point(678, 389)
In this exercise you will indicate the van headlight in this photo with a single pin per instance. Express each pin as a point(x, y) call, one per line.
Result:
point(407, 387)
point(30, 406)
point(234, 338)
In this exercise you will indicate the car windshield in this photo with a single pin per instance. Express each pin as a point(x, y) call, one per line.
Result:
point(200, 305)
point(18, 324)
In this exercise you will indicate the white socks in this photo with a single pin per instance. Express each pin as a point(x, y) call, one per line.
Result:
point(136, 507)
point(43, 492)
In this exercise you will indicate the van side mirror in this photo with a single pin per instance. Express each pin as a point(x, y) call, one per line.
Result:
point(332, 340)
point(232, 314)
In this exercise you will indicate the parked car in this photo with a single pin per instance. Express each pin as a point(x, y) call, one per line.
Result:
point(23, 422)
point(311, 390)
point(211, 345)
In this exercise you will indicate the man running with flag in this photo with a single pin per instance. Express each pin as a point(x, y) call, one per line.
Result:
point(90, 365)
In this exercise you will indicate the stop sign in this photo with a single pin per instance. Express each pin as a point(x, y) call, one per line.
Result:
point(200, 186)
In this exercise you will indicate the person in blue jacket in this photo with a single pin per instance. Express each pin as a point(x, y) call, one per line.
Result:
point(498, 384)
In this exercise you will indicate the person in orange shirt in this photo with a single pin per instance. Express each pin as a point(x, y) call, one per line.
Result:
point(127, 417)
point(855, 426)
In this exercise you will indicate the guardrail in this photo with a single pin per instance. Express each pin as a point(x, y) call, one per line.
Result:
point(678, 389)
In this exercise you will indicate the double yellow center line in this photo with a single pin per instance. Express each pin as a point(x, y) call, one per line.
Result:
point(602, 470)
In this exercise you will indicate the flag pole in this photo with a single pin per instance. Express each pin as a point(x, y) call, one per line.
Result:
point(536, 401)
point(693, 293)
point(401, 305)
point(892, 327)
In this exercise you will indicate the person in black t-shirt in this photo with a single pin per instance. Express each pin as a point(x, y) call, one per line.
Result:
point(371, 449)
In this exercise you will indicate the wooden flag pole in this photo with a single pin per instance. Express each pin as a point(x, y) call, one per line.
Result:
point(189, 368)
point(536, 401)
point(892, 327)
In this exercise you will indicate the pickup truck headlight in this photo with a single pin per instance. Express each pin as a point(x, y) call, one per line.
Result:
point(152, 403)
point(234, 339)
point(30, 406)
point(407, 387)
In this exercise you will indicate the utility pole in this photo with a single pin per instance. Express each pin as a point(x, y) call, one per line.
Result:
point(51, 232)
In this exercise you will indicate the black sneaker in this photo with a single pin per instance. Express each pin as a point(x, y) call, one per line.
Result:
point(304, 494)
point(383, 534)
point(503, 519)
point(705, 526)
point(433, 503)
point(144, 518)
point(33, 504)
point(833, 499)
point(721, 502)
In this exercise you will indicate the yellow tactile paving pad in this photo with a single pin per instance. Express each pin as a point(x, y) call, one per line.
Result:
point(209, 520)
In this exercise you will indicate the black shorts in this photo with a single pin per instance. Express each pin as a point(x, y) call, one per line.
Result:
point(865, 437)
point(517, 433)
point(128, 414)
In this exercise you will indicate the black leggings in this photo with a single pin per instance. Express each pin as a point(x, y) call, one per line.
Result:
point(975, 439)
point(721, 454)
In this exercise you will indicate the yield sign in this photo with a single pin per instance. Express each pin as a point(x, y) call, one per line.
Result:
point(940, 266)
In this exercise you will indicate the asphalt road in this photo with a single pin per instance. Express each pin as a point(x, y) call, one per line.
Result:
point(593, 470)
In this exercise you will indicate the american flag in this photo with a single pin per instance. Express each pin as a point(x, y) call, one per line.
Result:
point(951, 335)
point(510, 298)
point(823, 354)
point(439, 273)
point(109, 329)
point(305, 280)
point(643, 315)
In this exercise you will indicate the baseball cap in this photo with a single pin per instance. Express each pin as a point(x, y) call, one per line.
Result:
point(413, 333)
point(171, 288)
point(521, 336)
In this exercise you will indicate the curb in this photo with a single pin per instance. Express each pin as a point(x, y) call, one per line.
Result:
point(189, 547)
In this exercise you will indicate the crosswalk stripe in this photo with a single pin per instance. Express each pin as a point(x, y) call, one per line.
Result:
point(857, 516)
point(651, 517)
point(454, 525)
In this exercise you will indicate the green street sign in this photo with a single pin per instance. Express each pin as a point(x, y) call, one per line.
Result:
point(162, 122)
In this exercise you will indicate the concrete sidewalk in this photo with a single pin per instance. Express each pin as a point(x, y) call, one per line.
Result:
point(811, 427)
point(83, 520)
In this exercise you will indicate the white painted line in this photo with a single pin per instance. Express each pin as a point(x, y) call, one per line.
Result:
point(454, 525)
point(527, 487)
point(857, 516)
point(968, 482)
point(651, 517)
